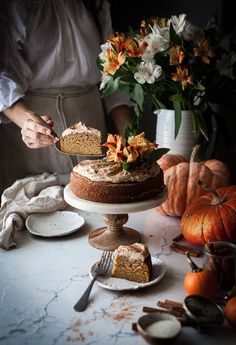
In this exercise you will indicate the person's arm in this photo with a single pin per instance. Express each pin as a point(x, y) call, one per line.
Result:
point(36, 130)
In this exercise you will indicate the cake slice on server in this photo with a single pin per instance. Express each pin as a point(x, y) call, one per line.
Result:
point(82, 140)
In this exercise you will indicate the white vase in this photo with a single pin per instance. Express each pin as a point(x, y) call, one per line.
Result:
point(184, 142)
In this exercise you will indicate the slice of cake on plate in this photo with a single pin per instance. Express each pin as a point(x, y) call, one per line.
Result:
point(80, 139)
point(128, 173)
point(132, 262)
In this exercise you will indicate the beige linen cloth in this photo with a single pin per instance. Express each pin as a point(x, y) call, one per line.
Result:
point(41, 193)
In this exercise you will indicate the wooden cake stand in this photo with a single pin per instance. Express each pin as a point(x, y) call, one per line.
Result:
point(115, 216)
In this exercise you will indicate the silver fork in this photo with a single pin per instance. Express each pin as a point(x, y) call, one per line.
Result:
point(101, 268)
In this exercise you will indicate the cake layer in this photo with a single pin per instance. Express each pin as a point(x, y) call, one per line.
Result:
point(100, 170)
point(107, 192)
point(80, 139)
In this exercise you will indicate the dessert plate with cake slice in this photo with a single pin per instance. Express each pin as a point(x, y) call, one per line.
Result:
point(109, 282)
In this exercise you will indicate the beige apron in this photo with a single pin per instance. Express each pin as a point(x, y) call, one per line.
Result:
point(66, 107)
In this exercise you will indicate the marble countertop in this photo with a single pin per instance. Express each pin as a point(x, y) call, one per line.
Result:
point(43, 278)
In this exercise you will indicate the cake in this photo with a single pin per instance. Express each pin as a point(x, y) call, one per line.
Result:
point(111, 180)
point(132, 262)
point(80, 139)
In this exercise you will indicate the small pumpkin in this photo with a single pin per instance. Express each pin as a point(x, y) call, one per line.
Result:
point(200, 281)
point(169, 159)
point(180, 178)
point(230, 311)
point(211, 217)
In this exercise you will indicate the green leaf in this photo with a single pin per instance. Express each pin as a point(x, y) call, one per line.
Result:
point(99, 64)
point(130, 131)
point(178, 117)
point(199, 87)
point(138, 96)
point(174, 38)
point(111, 86)
point(126, 166)
point(115, 83)
point(158, 103)
point(156, 154)
point(124, 88)
point(199, 125)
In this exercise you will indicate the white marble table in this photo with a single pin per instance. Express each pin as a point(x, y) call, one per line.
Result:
point(43, 278)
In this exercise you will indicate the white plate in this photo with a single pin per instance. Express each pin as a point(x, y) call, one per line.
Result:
point(54, 224)
point(112, 283)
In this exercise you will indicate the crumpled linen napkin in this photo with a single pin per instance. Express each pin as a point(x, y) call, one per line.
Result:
point(41, 193)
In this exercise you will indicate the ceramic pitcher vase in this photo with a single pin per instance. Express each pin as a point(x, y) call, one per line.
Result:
point(184, 142)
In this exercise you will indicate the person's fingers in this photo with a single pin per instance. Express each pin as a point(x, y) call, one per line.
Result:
point(36, 136)
point(36, 141)
point(37, 127)
point(45, 127)
point(48, 120)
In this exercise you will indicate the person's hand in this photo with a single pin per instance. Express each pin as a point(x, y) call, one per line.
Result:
point(37, 131)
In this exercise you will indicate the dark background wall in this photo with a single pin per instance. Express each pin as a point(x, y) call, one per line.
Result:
point(198, 12)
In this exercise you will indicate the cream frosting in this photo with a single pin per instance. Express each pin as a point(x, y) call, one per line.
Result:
point(101, 171)
point(80, 128)
point(135, 251)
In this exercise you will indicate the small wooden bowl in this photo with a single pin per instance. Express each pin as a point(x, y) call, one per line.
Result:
point(158, 328)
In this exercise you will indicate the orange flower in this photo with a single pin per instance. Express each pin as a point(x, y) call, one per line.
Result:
point(145, 24)
point(141, 144)
point(131, 154)
point(114, 142)
point(113, 61)
point(118, 42)
point(115, 148)
point(183, 76)
point(133, 48)
point(204, 50)
point(176, 55)
point(138, 146)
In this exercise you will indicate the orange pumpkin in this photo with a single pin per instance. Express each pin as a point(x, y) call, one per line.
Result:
point(212, 217)
point(230, 311)
point(200, 281)
point(180, 179)
point(169, 159)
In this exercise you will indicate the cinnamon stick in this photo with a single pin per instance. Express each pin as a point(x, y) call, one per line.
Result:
point(159, 310)
point(173, 303)
point(182, 249)
point(168, 304)
point(178, 238)
point(134, 326)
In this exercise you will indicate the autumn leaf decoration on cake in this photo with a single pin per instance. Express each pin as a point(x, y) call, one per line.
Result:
point(137, 151)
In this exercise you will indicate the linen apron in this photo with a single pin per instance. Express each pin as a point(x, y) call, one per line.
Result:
point(66, 107)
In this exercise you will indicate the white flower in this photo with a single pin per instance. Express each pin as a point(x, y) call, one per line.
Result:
point(147, 73)
point(104, 47)
point(104, 80)
point(178, 23)
point(157, 40)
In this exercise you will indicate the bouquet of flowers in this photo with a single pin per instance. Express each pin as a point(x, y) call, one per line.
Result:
point(171, 64)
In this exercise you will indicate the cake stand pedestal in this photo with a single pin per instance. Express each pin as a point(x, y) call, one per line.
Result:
point(114, 216)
